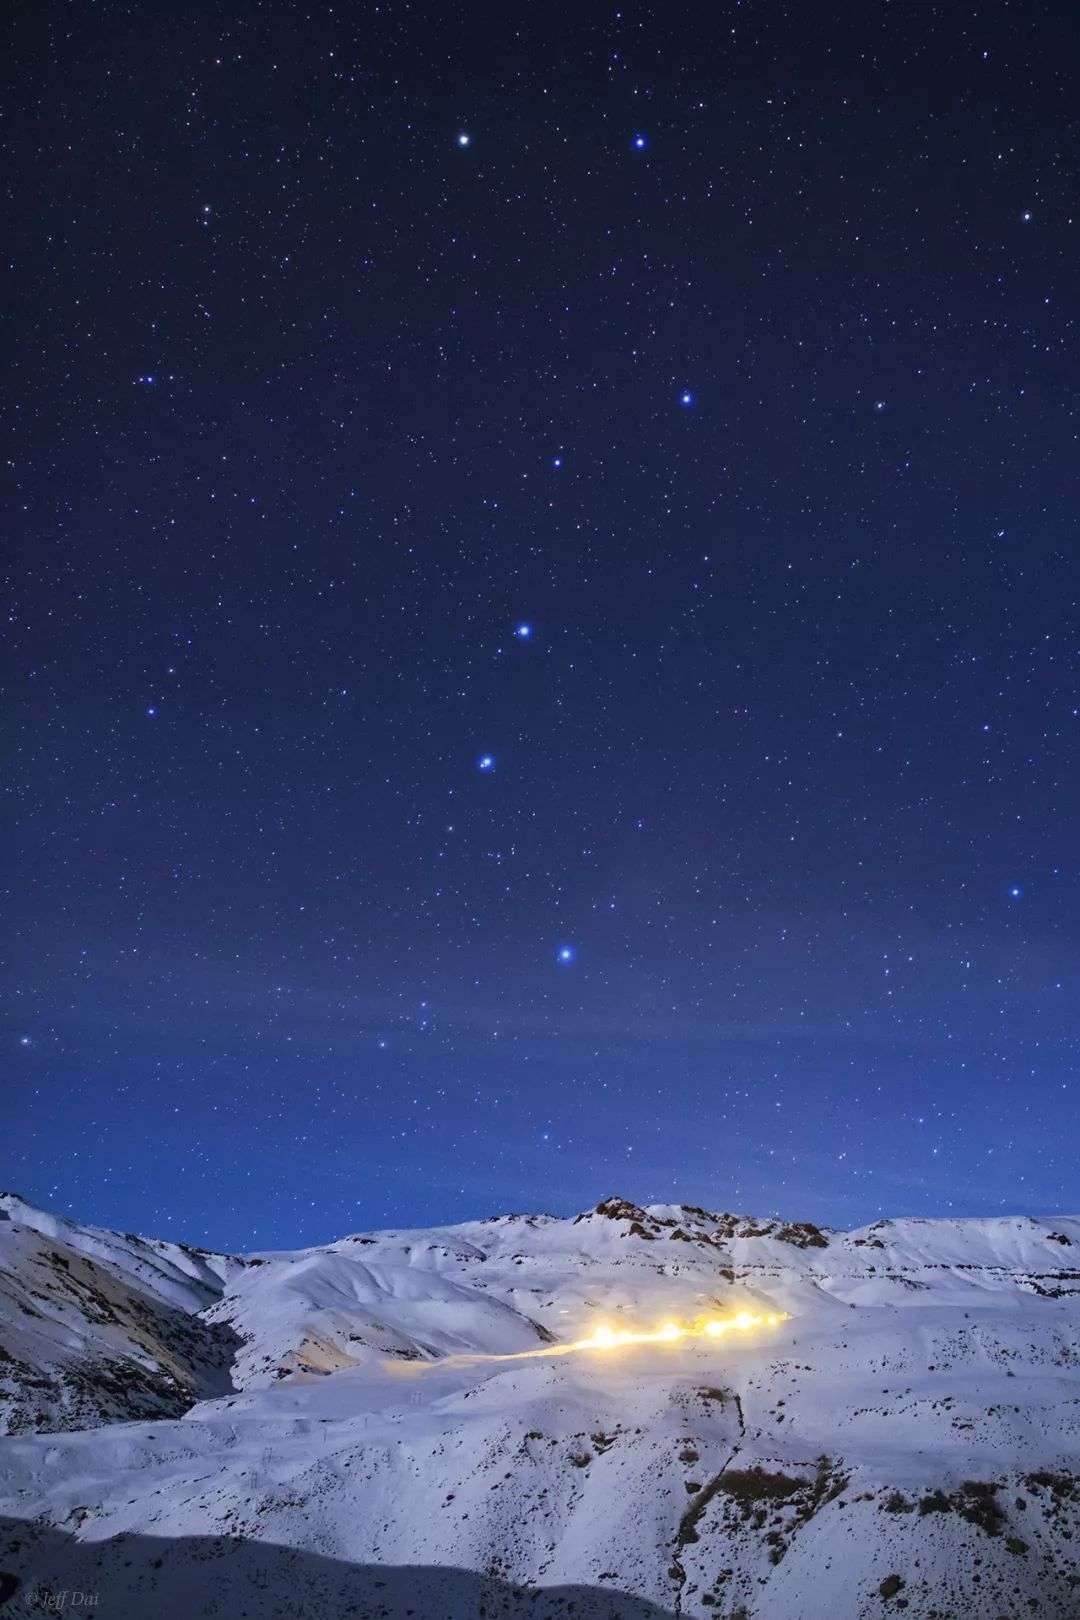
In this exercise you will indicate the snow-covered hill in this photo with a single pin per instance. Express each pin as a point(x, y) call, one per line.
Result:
point(96, 1327)
point(402, 1428)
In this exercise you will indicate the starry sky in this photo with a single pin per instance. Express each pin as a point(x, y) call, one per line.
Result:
point(543, 651)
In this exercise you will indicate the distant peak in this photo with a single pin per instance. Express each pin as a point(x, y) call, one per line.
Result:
point(619, 1209)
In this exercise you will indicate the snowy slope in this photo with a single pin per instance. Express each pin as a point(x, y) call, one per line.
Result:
point(907, 1441)
point(96, 1327)
point(512, 1282)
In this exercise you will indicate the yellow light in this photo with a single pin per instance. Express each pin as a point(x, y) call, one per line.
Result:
point(608, 1338)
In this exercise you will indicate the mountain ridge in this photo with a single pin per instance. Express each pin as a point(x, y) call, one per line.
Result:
point(897, 1427)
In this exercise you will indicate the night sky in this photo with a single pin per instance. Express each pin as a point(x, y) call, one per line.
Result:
point(544, 620)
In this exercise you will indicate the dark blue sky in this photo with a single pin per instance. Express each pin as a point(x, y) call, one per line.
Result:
point(731, 352)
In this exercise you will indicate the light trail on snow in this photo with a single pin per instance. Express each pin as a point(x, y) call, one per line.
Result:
point(607, 1338)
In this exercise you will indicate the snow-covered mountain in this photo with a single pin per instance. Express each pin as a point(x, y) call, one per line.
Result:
point(394, 1423)
point(96, 1327)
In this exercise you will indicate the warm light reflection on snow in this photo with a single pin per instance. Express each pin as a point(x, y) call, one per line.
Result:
point(606, 1338)
point(609, 1338)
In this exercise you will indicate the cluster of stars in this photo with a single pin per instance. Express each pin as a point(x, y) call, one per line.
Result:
point(600, 550)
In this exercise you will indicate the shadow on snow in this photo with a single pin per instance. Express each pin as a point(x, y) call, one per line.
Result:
point(129, 1577)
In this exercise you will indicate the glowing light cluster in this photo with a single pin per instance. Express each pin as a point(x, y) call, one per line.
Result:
point(607, 1338)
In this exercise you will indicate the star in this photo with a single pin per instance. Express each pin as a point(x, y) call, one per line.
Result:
point(151, 712)
point(1015, 893)
point(686, 397)
point(486, 762)
point(565, 953)
point(464, 138)
point(523, 632)
point(639, 143)
point(556, 461)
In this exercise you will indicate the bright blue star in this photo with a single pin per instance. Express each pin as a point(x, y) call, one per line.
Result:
point(1015, 893)
point(565, 953)
point(523, 632)
point(486, 762)
point(686, 397)
point(464, 138)
point(556, 461)
point(640, 143)
point(151, 712)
